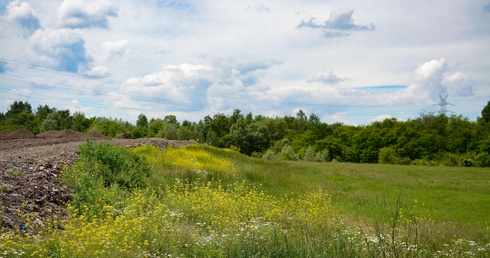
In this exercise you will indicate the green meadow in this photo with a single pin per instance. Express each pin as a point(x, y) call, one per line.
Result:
point(201, 201)
point(457, 196)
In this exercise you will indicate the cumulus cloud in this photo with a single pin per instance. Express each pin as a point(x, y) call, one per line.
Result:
point(458, 84)
point(381, 118)
point(115, 48)
point(339, 24)
point(86, 14)
point(181, 87)
point(258, 9)
point(99, 71)
point(248, 72)
point(433, 80)
point(64, 49)
point(428, 82)
point(327, 77)
point(338, 117)
point(223, 84)
point(23, 14)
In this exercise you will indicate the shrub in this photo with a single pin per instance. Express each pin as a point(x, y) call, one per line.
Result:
point(387, 155)
point(309, 154)
point(269, 154)
point(287, 153)
point(103, 175)
point(114, 165)
point(323, 156)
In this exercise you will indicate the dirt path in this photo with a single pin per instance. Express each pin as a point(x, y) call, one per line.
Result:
point(30, 171)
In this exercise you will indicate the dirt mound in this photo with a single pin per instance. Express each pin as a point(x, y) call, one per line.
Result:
point(71, 134)
point(34, 191)
point(30, 171)
point(95, 135)
point(49, 135)
point(4, 134)
point(17, 134)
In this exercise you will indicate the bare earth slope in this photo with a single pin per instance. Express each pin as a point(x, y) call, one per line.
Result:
point(30, 171)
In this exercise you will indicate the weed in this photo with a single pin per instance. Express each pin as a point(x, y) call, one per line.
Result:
point(5, 187)
point(15, 172)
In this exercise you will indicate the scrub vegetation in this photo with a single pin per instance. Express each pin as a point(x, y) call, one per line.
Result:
point(430, 139)
point(201, 201)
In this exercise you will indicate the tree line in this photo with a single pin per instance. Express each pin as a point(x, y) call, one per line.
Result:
point(429, 139)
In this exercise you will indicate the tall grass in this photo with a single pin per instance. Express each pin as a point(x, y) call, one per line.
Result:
point(201, 201)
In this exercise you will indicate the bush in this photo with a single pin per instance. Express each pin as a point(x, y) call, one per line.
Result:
point(114, 165)
point(287, 153)
point(387, 155)
point(323, 156)
point(103, 175)
point(451, 159)
point(269, 154)
point(310, 154)
point(482, 159)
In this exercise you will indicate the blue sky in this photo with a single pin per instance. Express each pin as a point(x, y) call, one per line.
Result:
point(349, 61)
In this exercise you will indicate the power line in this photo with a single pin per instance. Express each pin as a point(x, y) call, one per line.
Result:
point(185, 91)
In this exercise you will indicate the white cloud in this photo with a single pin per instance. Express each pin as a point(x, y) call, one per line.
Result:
point(240, 40)
point(23, 14)
point(458, 84)
point(99, 71)
point(327, 77)
point(339, 24)
point(381, 118)
point(258, 9)
point(177, 87)
point(433, 80)
point(115, 48)
point(74, 106)
point(338, 117)
point(86, 14)
point(20, 94)
point(428, 82)
point(64, 49)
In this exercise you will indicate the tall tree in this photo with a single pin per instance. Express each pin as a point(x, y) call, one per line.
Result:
point(485, 113)
point(18, 107)
point(142, 121)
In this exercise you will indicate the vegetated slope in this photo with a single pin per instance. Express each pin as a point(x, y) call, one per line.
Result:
point(206, 202)
point(30, 167)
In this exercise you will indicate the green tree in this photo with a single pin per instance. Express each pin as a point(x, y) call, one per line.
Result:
point(52, 122)
point(20, 115)
point(485, 113)
point(80, 122)
point(66, 120)
point(17, 108)
point(310, 154)
point(43, 112)
point(314, 119)
point(155, 126)
point(142, 121)
point(253, 137)
point(110, 127)
point(171, 119)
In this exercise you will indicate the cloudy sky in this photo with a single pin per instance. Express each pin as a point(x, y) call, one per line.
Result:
point(350, 61)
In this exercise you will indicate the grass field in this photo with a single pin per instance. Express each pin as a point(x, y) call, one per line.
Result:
point(201, 201)
point(453, 196)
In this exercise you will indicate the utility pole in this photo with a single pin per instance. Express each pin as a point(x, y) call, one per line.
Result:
point(443, 105)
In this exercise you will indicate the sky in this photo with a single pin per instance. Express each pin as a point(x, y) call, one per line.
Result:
point(348, 61)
